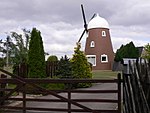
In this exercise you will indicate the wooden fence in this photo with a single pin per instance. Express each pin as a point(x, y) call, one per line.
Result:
point(51, 68)
point(136, 88)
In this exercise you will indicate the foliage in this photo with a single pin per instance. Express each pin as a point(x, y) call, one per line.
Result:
point(36, 58)
point(55, 86)
point(147, 51)
point(64, 68)
point(21, 46)
point(80, 66)
point(50, 86)
point(127, 51)
point(2, 62)
point(52, 58)
point(17, 47)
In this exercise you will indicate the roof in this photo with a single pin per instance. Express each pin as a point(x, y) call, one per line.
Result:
point(98, 22)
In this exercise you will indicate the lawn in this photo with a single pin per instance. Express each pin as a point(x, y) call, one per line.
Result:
point(104, 74)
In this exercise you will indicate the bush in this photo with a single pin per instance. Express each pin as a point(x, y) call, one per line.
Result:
point(49, 86)
point(52, 58)
point(81, 67)
point(64, 68)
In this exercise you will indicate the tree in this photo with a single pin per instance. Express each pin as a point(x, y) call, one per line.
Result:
point(80, 66)
point(127, 51)
point(52, 58)
point(17, 47)
point(64, 68)
point(21, 46)
point(147, 51)
point(5, 49)
point(36, 58)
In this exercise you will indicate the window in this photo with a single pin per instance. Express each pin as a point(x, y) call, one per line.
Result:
point(104, 58)
point(103, 33)
point(92, 44)
point(92, 59)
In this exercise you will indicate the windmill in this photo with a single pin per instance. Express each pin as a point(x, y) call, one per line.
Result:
point(98, 47)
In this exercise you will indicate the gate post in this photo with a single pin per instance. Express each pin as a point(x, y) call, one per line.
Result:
point(3, 85)
point(24, 98)
point(119, 92)
point(69, 98)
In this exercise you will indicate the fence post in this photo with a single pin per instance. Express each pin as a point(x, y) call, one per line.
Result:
point(3, 85)
point(119, 92)
point(69, 98)
point(23, 70)
point(24, 98)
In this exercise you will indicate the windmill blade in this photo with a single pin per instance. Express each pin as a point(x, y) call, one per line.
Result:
point(93, 16)
point(85, 24)
point(81, 36)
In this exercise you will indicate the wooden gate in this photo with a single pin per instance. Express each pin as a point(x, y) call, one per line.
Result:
point(21, 86)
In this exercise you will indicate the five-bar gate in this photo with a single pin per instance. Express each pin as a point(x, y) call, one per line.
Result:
point(22, 85)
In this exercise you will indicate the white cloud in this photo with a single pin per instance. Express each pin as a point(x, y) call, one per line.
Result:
point(60, 38)
point(61, 23)
point(123, 35)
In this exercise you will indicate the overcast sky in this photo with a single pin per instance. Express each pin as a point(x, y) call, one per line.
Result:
point(61, 23)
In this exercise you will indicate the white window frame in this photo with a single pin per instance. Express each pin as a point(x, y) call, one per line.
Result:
point(103, 33)
point(104, 55)
point(92, 44)
point(87, 56)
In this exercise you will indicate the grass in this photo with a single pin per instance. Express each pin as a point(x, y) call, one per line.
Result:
point(104, 74)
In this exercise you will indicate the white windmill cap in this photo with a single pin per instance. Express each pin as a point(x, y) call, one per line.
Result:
point(98, 22)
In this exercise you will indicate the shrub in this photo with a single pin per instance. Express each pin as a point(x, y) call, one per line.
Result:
point(64, 68)
point(80, 66)
point(52, 58)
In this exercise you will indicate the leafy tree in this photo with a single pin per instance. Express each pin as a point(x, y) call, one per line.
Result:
point(80, 66)
point(5, 49)
point(127, 51)
point(52, 58)
point(119, 54)
point(36, 58)
point(20, 47)
point(64, 68)
point(17, 46)
point(147, 51)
